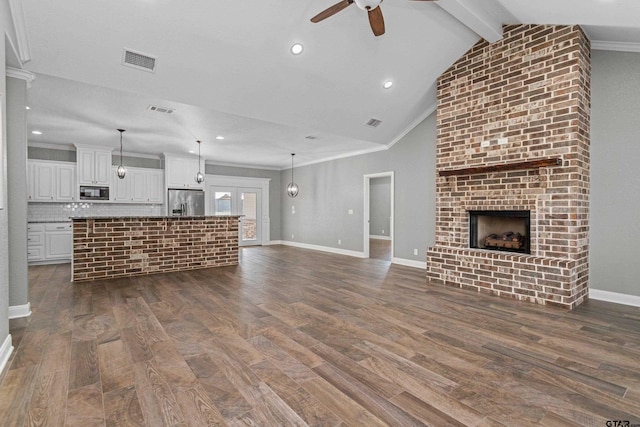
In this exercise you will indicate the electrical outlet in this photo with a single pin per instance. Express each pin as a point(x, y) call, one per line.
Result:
point(415, 252)
point(484, 144)
point(292, 236)
point(383, 232)
point(339, 241)
point(293, 210)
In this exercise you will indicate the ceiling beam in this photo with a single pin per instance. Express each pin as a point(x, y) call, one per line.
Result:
point(475, 16)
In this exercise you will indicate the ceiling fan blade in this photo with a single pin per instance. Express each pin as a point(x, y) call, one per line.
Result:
point(377, 21)
point(330, 11)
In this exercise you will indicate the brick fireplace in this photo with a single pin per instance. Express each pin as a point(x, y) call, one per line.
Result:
point(513, 135)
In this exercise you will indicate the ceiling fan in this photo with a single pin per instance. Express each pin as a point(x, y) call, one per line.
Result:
point(371, 6)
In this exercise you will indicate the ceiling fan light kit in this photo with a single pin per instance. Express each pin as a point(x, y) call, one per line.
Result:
point(376, 20)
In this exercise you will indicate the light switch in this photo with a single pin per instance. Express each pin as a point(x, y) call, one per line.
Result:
point(350, 211)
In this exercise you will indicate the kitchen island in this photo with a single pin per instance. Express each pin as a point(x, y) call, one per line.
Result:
point(108, 247)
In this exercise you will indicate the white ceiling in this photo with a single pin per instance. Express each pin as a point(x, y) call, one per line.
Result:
point(226, 68)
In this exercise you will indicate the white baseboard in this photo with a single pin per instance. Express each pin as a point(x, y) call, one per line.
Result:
point(625, 299)
point(322, 248)
point(5, 352)
point(272, 242)
point(372, 236)
point(409, 263)
point(17, 311)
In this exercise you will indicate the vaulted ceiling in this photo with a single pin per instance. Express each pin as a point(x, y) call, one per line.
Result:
point(226, 69)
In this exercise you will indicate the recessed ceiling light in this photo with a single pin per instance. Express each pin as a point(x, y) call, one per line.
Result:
point(27, 108)
point(387, 84)
point(219, 137)
point(297, 49)
point(36, 132)
point(192, 152)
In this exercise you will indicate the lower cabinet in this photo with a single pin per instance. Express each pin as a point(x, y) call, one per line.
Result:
point(51, 241)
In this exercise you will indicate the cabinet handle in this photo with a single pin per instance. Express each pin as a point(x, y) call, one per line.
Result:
point(60, 228)
point(51, 197)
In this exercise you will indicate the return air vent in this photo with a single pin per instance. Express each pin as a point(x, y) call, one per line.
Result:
point(310, 137)
point(374, 123)
point(140, 61)
point(164, 110)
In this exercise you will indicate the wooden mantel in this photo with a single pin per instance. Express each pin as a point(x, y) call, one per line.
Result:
point(531, 164)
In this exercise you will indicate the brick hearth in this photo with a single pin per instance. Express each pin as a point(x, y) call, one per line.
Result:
point(532, 88)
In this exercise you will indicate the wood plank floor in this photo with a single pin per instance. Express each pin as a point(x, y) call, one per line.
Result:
point(380, 249)
point(296, 337)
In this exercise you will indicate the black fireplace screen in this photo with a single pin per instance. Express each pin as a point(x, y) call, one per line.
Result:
point(500, 230)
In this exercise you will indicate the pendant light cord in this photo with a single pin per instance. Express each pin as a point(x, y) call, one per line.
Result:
point(121, 132)
point(199, 156)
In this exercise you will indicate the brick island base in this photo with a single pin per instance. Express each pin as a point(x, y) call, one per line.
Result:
point(109, 247)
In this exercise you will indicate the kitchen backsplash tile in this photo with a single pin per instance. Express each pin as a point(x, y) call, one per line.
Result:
point(54, 212)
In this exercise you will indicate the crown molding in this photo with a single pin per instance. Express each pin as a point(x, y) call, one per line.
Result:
point(20, 26)
point(615, 46)
point(17, 73)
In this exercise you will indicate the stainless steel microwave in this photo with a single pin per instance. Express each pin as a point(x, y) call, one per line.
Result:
point(94, 193)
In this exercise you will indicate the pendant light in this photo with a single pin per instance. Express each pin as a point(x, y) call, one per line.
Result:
point(121, 171)
point(199, 175)
point(292, 188)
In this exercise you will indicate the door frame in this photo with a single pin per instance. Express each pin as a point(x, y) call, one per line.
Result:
point(367, 213)
point(243, 182)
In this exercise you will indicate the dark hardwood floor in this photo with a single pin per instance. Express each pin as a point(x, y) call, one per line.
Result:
point(380, 249)
point(296, 337)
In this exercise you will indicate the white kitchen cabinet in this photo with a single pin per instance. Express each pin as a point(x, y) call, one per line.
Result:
point(94, 165)
point(58, 239)
point(155, 187)
point(35, 242)
point(51, 241)
point(45, 186)
point(121, 188)
point(65, 183)
point(51, 181)
point(140, 185)
point(181, 171)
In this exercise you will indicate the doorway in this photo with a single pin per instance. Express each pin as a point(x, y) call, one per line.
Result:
point(378, 215)
point(240, 201)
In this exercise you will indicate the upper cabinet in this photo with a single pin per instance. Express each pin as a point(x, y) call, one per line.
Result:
point(181, 171)
point(94, 165)
point(140, 185)
point(51, 181)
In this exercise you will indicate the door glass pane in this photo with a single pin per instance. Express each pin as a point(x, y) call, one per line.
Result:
point(249, 210)
point(223, 203)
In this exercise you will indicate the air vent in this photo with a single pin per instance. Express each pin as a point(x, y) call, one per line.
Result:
point(140, 61)
point(374, 123)
point(310, 137)
point(164, 110)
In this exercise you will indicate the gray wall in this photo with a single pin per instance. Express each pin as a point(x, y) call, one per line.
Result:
point(274, 190)
point(17, 190)
point(6, 31)
point(379, 206)
point(329, 190)
point(615, 181)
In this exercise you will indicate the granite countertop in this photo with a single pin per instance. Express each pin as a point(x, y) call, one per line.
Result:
point(81, 218)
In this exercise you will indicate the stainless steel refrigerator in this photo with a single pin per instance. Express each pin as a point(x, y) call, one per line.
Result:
point(185, 202)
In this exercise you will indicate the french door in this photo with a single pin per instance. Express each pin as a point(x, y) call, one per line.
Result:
point(240, 201)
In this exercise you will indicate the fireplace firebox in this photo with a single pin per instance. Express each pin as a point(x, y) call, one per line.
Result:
point(505, 230)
